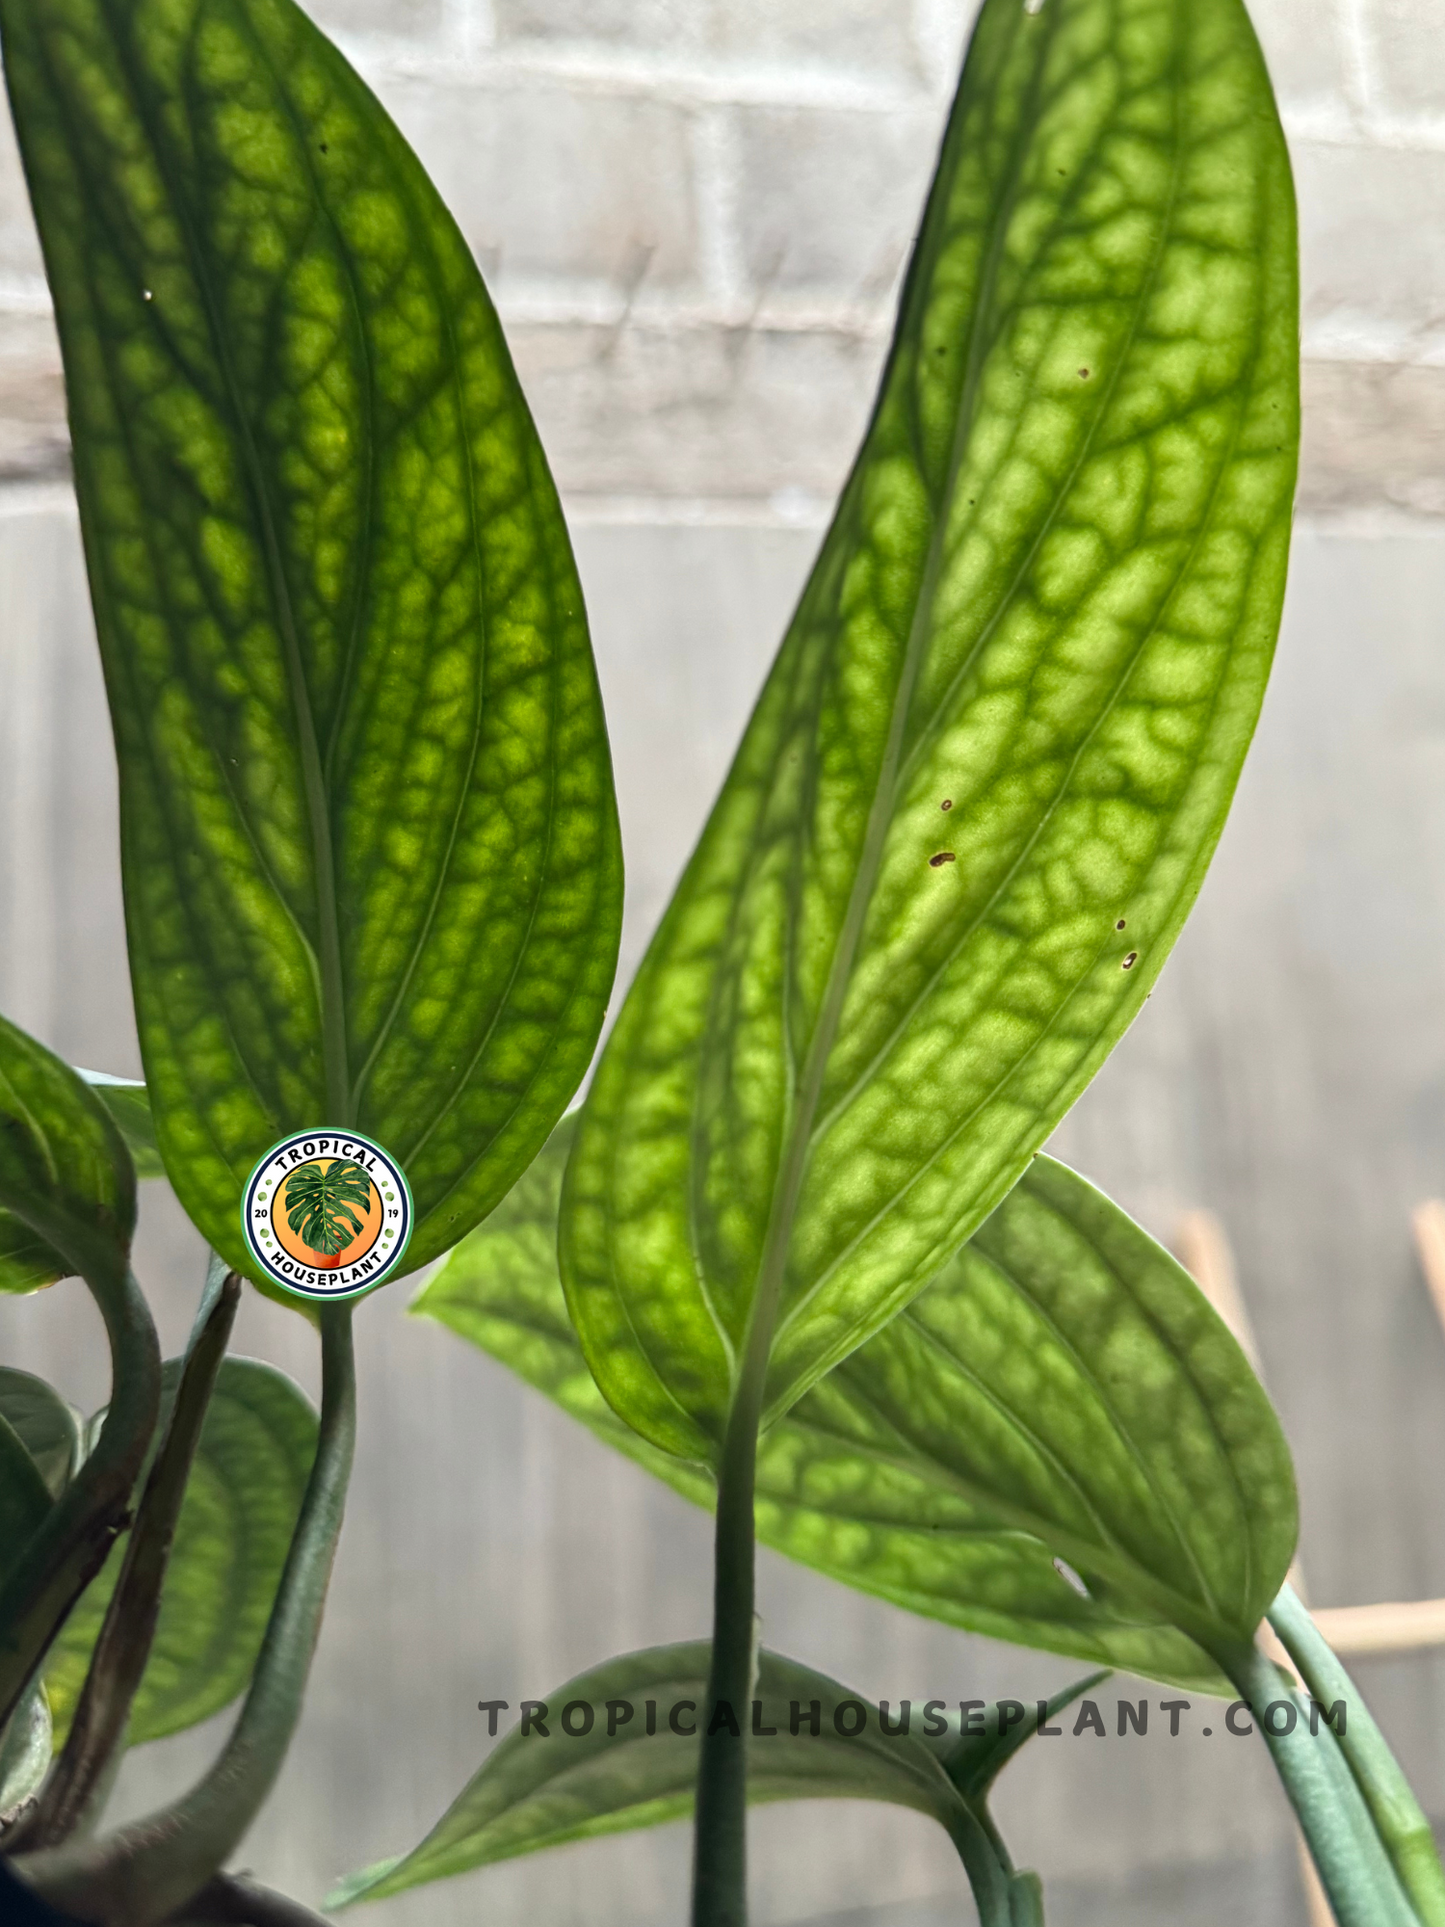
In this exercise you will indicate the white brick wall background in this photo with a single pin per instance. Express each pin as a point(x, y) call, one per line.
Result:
point(693, 213)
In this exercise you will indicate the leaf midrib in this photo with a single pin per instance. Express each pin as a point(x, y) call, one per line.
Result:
point(763, 1310)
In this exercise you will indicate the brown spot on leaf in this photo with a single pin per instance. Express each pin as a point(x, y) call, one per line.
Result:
point(1130, 961)
point(944, 856)
point(947, 803)
point(1120, 924)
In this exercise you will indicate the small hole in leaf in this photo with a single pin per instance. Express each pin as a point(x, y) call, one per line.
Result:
point(1120, 924)
point(944, 856)
point(147, 295)
point(947, 803)
point(1070, 1577)
point(1130, 961)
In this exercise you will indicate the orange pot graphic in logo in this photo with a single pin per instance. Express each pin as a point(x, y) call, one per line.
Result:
point(331, 1210)
point(327, 1213)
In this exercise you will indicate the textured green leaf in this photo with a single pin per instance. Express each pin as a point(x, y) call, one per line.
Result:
point(24, 1497)
point(986, 774)
point(25, 1749)
point(534, 1792)
point(369, 838)
point(130, 1106)
point(240, 1508)
point(48, 1428)
point(67, 1186)
point(1062, 1390)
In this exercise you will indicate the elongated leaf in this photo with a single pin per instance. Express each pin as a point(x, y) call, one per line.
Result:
point(25, 1749)
point(67, 1186)
point(240, 1508)
point(1062, 1391)
point(986, 774)
point(129, 1104)
point(45, 1425)
point(368, 832)
point(534, 1791)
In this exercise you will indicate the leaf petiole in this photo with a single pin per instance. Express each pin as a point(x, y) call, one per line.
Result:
point(719, 1867)
point(1398, 1818)
point(71, 1545)
point(152, 1868)
point(1353, 1865)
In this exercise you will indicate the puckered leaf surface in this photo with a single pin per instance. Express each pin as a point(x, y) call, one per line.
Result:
point(369, 839)
point(988, 769)
point(129, 1104)
point(67, 1185)
point(24, 1496)
point(48, 1428)
point(1061, 1392)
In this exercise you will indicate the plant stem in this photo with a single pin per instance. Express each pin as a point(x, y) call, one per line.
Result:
point(1353, 1865)
point(986, 1862)
point(71, 1545)
point(1396, 1812)
point(124, 1644)
point(719, 1866)
point(152, 1868)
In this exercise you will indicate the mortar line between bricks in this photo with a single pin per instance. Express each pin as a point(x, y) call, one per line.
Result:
point(683, 82)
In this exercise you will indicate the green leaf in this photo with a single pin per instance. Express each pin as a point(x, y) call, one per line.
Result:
point(1062, 1391)
point(534, 1792)
point(369, 837)
point(240, 1508)
point(48, 1428)
point(973, 1761)
point(321, 1205)
point(986, 774)
point(130, 1106)
point(25, 1750)
point(67, 1186)
point(25, 1498)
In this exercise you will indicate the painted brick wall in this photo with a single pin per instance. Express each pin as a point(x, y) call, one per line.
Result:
point(694, 212)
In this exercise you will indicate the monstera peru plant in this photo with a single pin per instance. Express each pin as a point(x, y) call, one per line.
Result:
point(798, 1253)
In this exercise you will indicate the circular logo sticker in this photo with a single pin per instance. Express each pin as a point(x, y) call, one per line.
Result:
point(326, 1214)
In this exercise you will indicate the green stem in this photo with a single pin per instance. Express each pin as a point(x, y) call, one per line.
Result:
point(986, 1862)
point(71, 1545)
point(154, 1867)
point(234, 1899)
point(1398, 1818)
point(124, 1644)
point(1352, 1863)
point(719, 1867)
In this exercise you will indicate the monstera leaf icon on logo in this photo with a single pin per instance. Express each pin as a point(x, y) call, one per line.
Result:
point(327, 1214)
point(319, 1201)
